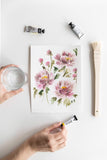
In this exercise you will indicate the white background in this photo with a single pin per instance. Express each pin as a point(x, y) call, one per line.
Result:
point(87, 138)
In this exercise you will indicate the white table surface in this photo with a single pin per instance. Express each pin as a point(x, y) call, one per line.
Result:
point(87, 138)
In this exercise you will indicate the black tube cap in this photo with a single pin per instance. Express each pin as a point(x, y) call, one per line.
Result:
point(75, 117)
point(43, 30)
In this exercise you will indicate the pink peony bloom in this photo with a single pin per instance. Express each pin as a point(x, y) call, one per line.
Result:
point(49, 52)
point(41, 60)
point(66, 59)
point(75, 70)
point(48, 63)
point(64, 89)
point(74, 75)
point(43, 79)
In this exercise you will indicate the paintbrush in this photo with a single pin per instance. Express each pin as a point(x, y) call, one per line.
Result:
point(96, 46)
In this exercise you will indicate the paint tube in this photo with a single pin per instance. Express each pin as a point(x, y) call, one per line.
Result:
point(73, 118)
point(76, 30)
point(33, 29)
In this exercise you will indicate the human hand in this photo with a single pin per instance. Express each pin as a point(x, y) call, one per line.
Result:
point(4, 94)
point(42, 141)
point(46, 141)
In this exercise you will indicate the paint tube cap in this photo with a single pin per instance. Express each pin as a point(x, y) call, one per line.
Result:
point(43, 30)
point(75, 117)
point(63, 124)
point(72, 25)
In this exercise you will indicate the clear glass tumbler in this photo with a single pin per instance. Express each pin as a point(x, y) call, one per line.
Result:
point(13, 78)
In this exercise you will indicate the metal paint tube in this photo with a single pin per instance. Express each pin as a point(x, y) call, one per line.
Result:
point(76, 30)
point(33, 29)
point(73, 118)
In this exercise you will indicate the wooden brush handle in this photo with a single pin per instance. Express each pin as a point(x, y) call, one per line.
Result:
point(97, 59)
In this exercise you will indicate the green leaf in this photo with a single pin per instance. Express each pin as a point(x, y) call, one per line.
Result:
point(75, 95)
point(68, 75)
point(59, 101)
point(52, 62)
point(66, 72)
point(67, 102)
point(57, 76)
point(53, 99)
point(47, 90)
point(41, 92)
point(55, 69)
point(63, 68)
point(35, 92)
point(76, 51)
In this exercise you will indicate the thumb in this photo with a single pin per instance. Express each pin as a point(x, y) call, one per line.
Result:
point(56, 125)
point(13, 93)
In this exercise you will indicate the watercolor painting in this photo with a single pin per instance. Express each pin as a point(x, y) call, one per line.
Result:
point(54, 78)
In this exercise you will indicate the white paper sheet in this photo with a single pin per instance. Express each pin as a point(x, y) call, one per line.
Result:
point(55, 79)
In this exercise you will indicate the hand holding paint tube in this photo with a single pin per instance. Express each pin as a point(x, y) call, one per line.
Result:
point(74, 118)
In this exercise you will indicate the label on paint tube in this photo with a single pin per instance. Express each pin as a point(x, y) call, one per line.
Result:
point(33, 29)
point(77, 31)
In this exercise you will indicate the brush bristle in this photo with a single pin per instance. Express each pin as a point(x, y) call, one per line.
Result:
point(96, 46)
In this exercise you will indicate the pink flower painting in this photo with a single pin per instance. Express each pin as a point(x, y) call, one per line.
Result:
point(41, 60)
point(48, 63)
point(65, 59)
point(57, 77)
point(43, 79)
point(64, 89)
point(74, 75)
point(49, 52)
point(75, 70)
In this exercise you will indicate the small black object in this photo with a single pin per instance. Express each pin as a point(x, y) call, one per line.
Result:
point(43, 30)
point(75, 117)
point(71, 25)
point(61, 125)
point(39, 30)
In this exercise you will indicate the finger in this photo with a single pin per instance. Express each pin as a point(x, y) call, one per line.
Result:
point(60, 141)
point(10, 65)
point(62, 145)
point(64, 130)
point(13, 93)
point(63, 127)
point(61, 135)
point(58, 135)
point(56, 125)
point(55, 148)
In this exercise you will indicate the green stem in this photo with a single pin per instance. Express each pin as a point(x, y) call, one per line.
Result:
point(64, 74)
point(76, 80)
point(51, 62)
point(43, 66)
point(47, 98)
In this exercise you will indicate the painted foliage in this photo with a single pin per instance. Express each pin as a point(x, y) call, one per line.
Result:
point(57, 78)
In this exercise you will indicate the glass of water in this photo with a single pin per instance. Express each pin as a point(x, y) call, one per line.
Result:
point(13, 78)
